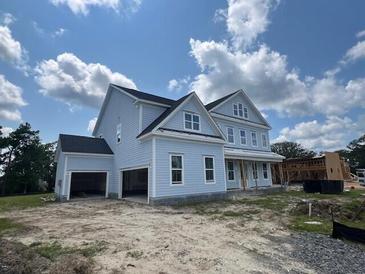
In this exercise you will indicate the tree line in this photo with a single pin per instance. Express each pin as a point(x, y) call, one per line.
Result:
point(26, 164)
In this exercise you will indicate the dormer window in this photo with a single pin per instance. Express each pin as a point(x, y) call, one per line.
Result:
point(240, 111)
point(191, 121)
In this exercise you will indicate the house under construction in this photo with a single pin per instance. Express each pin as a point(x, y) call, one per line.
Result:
point(328, 166)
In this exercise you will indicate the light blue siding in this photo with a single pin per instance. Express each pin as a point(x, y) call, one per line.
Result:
point(224, 124)
point(227, 108)
point(193, 153)
point(150, 113)
point(130, 152)
point(177, 121)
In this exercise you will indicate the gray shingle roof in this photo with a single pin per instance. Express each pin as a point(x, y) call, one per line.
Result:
point(164, 114)
point(146, 96)
point(220, 100)
point(84, 144)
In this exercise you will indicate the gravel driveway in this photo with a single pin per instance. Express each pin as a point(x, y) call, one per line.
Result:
point(143, 239)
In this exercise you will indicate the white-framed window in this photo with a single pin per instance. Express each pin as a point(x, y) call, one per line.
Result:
point(209, 169)
point(119, 133)
point(243, 137)
point(235, 110)
point(240, 110)
point(254, 171)
point(254, 138)
point(264, 140)
point(177, 169)
point(230, 170)
point(230, 135)
point(191, 121)
point(245, 113)
point(264, 171)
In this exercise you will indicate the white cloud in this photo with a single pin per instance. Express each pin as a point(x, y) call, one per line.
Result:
point(355, 53)
point(59, 32)
point(360, 34)
point(70, 80)
point(7, 18)
point(246, 19)
point(11, 100)
point(83, 6)
point(333, 134)
point(11, 50)
point(178, 84)
point(6, 131)
point(92, 123)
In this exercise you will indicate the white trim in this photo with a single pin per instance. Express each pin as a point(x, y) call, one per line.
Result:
point(239, 130)
point(64, 177)
point(88, 171)
point(81, 154)
point(267, 171)
point(225, 172)
point(262, 140)
point(120, 194)
point(238, 120)
point(182, 168)
point(229, 134)
point(140, 118)
point(205, 169)
point(263, 156)
point(241, 91)
point(153, 167)
point(257, 141)
point(139, 100)
point(178, 109)
point(192, 121)
point(118, 130)
point(245, 110)
point(184, 136)
point(234, 172)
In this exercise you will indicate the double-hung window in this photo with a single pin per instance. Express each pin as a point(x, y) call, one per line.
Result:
point(264, 171)
point(235, 110)
point(230, 170)
point(245, 113)
point(177, 170)
point(254, 171)
point(119, 133)
point(243, 137)
point(230, 135)
point(264, 140)
point(192, 121)
point(209, 169)
point(240, 110)
point(254, 139)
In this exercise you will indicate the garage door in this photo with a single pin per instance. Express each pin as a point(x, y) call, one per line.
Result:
point(135, 182)
point(88, 184)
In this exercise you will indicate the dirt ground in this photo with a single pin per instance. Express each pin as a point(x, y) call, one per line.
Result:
point(144, 239)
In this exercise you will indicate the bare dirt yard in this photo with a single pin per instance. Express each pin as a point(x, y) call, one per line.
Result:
point(106, 236)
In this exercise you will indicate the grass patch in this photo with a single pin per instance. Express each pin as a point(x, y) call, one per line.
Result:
point(136, 254)
point(7, 225)
point(23, 201)
point(55, 249)
point(298, 223)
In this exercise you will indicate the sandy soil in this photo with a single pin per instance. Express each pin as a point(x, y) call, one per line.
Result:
point(143, 239)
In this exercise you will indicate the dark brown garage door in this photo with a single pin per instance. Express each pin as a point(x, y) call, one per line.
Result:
point(135, 182)
point(88, 184)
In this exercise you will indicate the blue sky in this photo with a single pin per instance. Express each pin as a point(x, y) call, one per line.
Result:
point(302, 62)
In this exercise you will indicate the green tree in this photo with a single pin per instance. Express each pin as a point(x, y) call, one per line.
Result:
point(355, 153)
point(25, 161)
point(292, 150)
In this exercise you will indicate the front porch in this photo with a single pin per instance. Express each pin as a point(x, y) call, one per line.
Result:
point(248, 169)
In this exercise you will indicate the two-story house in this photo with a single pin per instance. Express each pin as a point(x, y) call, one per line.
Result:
point(164, 150)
